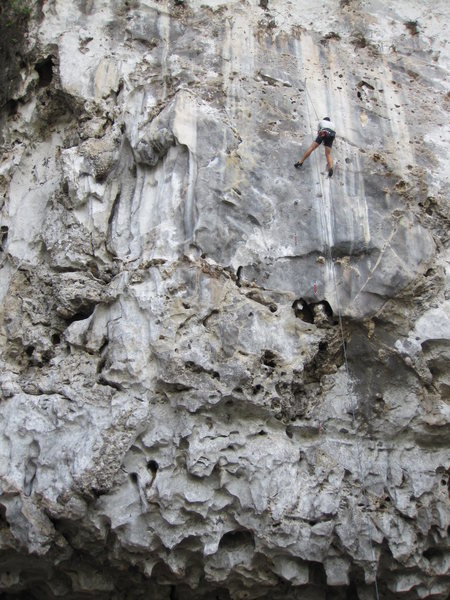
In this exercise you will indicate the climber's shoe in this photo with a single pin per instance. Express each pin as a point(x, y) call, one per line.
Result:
point(298, 164)
point(330, 172)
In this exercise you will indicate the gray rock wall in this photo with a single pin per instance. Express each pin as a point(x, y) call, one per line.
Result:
point(180, 417)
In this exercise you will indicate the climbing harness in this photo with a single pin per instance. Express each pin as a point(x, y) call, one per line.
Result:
point(328, 243)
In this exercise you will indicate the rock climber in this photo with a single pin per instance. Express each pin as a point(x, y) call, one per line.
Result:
point(326, 133)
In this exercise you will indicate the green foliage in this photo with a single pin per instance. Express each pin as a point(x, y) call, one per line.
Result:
point(19, 8)
point(14, 13)
point(14, 16)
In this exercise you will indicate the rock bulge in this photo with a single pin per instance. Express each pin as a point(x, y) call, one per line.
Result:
point(222, 377)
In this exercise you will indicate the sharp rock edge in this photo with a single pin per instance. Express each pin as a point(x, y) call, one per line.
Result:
point(176, 417)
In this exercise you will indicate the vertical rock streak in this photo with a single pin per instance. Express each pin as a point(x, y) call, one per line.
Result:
point(220, 376)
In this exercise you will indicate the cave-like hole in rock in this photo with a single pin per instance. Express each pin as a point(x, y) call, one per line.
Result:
point(96, 493)
point(101, 177)
point(326, 307)
point(3, 236)
point(238, 276)
point(309, 312)
point(269, 359)
point(233, 540)
point(47, 355)
point(11, 107)
point(352, 593)
point(3, 519)
point(83, 312)
point(152, 466)
point(317, 573)
point(431, 553)
point(303, 311)
point(44, 69)
point(39, 590)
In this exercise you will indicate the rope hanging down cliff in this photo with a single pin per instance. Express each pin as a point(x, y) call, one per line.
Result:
point(328, 243)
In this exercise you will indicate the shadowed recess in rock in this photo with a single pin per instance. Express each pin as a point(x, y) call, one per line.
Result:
point(223, 377)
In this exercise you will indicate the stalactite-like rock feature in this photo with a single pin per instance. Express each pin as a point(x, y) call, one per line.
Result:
point(179, 416)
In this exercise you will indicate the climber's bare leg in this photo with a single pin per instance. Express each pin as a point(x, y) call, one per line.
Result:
point(328, 156)
point(311, 149)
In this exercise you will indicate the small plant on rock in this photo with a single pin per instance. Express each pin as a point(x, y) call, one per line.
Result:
point(14, 16)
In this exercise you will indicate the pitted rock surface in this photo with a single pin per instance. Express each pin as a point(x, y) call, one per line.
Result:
point(222, 377)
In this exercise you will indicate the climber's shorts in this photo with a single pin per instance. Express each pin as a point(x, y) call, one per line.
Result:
point(326, 136)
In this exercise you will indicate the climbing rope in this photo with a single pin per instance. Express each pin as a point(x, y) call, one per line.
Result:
point(312, 103)
point(352, 406)
point(328, 242)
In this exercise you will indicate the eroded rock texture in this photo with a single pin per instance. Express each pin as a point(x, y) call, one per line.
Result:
point(178, 419)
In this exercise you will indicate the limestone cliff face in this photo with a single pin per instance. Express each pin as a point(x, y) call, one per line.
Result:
point(178, 417)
